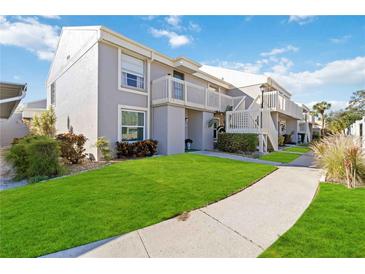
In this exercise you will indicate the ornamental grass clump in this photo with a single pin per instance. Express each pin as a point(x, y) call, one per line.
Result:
point(342, 158)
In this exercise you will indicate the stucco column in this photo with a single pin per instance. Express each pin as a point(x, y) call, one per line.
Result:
point(169, 129)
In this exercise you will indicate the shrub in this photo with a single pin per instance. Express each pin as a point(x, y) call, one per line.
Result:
point(44, 124)
point(35, 156)
point(342, 157)
point(72, 147)
point(136, 149)
point(287, 138)
point(281, 140)
point(237, 142)
point(103, 145)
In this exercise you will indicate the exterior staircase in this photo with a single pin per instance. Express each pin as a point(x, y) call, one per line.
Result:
point(254, 120)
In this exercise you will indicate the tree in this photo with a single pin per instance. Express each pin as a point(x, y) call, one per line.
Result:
point(357, 102)
point(45, 124)
point(320, 108)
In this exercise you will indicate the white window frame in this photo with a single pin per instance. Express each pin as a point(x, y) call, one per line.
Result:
point(131, 89)
point(131, 109)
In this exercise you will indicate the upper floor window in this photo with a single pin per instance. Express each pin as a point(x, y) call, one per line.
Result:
point(53, 94)
point(132, 72)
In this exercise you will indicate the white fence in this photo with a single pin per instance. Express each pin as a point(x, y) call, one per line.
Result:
point(275, 101)
point(171, 90)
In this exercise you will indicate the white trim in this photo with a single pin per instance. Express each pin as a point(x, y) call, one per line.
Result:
point(132, 107)
point(148, 86)
point(135, 91)
point(12, 99)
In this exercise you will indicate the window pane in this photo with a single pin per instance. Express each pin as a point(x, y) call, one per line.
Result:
point(132, 80)
point(131, 118)
point(132, 134)
point(141, 119)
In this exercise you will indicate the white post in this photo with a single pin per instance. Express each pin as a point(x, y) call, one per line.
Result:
point(169, 88)
point(261, 143)
point(220, 99)
point(206, 97)
point(186, 93)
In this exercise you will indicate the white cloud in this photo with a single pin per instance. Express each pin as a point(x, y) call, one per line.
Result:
point(339, 72)
point(340, 40)
point(175, 40)
point(194, 27)
point(51, 16)
point(276, 51)
point(282, 66)
point(173, 20)
point(301, 19)
point(149, 17)
point(335, 105)
point(30, 34)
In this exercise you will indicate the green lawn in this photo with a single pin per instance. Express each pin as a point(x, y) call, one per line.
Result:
point(297, 149)
point(279, 156)
point(332, 226)
point(62, 213)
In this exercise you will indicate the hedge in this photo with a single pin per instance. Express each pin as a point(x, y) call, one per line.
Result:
point(237, 142)
point(136, 149)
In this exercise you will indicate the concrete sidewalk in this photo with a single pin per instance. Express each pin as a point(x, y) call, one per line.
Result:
point(242, 225)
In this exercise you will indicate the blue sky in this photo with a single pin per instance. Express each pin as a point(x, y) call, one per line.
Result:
point(314, 57)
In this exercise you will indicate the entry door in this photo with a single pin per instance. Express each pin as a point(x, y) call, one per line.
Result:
point(178, 87)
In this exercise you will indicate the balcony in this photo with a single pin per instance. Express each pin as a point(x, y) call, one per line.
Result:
point(275, 101)
point(175, 91)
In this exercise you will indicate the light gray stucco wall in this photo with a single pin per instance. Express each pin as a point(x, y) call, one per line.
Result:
point(37, 104)
point(110, 96)
point(12, 128)
point(292, 127)
point(169, 129)
point(76, 98)
point(198, 129)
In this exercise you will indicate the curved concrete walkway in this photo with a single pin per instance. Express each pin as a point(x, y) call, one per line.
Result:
point(242, 225)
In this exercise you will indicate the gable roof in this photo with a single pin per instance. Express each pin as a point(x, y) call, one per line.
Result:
point(242, 79)
point(237, 78)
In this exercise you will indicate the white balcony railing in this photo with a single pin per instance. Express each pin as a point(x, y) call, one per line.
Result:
point(274, 101)
point(171, 90)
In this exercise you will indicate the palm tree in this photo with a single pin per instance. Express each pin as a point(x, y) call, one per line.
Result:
point(320, 108)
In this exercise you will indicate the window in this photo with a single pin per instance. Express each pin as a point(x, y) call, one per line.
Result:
point(132, 72)
point(133, 125)
point(53, 94)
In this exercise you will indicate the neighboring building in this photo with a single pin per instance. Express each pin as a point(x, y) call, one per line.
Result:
point(104, 84)
point(13, 127)
point(305, 126)
point(357, 129)
point(10, 121)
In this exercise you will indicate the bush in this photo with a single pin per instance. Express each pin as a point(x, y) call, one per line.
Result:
point(287, 138)
point(237, 142)
point(72, 147)
point(103, 145)
point(35, 156)
point(343, 159)
point(44, 124)
point(136, 149)
point(281, 140)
